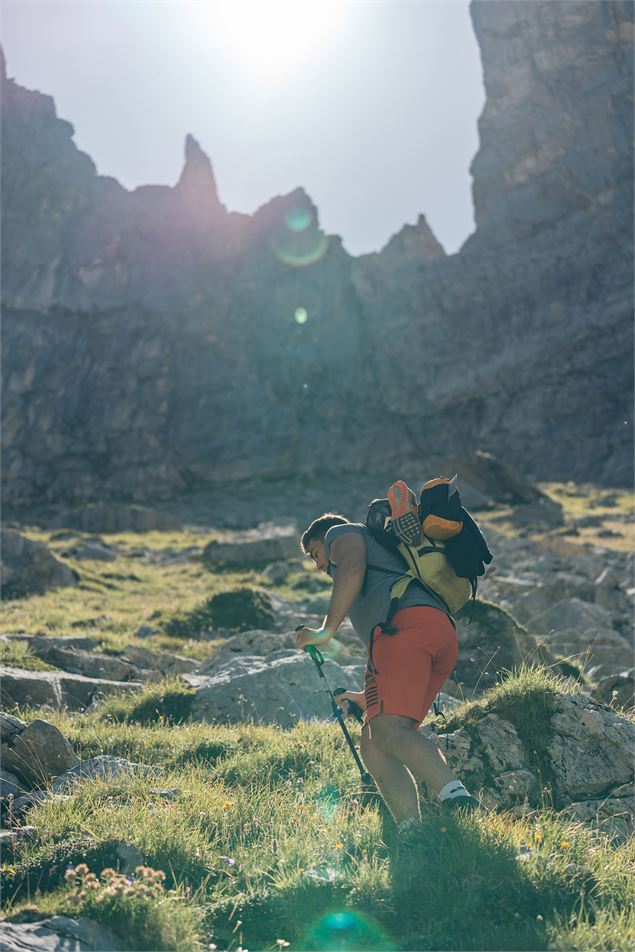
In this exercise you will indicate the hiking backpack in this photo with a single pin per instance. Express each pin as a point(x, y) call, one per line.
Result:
point(453, 552)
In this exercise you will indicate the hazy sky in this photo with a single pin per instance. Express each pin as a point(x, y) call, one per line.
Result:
point(370, 105)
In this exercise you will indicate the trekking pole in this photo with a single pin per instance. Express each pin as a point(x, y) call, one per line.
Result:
point(318, 659)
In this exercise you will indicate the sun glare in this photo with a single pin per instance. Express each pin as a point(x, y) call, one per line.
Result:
point(274, 36)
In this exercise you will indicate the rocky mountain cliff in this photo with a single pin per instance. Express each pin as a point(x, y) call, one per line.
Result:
point(155, 342)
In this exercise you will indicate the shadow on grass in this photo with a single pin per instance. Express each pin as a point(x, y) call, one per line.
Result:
point(456, 889)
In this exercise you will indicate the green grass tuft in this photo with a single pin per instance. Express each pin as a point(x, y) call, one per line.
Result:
point(167, 702)
point(18, 654)
point(241, 608)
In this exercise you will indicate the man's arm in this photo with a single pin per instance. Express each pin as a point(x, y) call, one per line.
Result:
point(348, 554)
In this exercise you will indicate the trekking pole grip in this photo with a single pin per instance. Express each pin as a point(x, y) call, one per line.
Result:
point(354, 708)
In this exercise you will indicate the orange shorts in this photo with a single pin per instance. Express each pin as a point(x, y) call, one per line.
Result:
point(408, 668)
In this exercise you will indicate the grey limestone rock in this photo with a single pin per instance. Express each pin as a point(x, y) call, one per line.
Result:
point(29, 568)
point(501, 743)
point(570, 613)
point(58, 934)
point(41, 645)
point(39, 753)
point(618, 690)
point(254, 547)
point(90, 664)
point(10, 725)
point(589, 766)
point(163, 662)
point(254, 642)
point(56, 689)
point(614, 814)
point(488, 643)
point(9, 783)
point(279, 690)
point(592, 748)
point(602, 651)
point(277, 571)
point(115, 517)
point(104, 767)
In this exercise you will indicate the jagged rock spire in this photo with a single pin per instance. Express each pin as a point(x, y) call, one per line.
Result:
point(197, 178)
point(415, 242)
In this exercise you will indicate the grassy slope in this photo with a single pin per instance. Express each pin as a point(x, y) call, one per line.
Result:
point(268, 829)
point(267, 839)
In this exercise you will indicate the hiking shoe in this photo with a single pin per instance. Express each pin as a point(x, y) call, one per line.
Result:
point(404, 513)
point(464, 803)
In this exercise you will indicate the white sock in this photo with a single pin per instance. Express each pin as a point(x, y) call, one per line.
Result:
point(453, 789)
point(408, 825)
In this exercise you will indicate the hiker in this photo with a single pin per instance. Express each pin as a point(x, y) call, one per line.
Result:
point(405, 670)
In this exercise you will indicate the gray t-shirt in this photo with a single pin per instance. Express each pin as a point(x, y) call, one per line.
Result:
point(371, 609)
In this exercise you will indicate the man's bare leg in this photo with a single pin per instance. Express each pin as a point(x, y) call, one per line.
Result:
point(394, 736)
point(395, 782)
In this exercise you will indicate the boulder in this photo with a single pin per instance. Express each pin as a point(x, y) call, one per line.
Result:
point(38, 688)
point(570, 613)
point(104, 767)
point(600, 651)
point(11, 837)
point(280, 690)
point(253, 547)
point(254, 642)
point(496, 480)
point(531, 598)
point(29, 568)
point(261, 643)
point(24, 803)
point(164, 662)
point(88, 663)
point(10, 785)
point(277, 572)
point(58, 934)
point(114, 517)
point(501, 744)
point(39, 753)
point(542, 514)
point(41, 645)
point(618, 690)
point(614, 815)
point(591, 752)
point(487, 643)
point(585, 766)
point(10, 726)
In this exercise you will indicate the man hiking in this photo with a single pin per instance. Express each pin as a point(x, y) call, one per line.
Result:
point(405, 670)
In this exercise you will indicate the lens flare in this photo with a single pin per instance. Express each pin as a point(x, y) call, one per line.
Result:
point(301, 316)
point(327, 801)
point(299, 249)
point(344, 930)
point(298, 219)
point(298, 241)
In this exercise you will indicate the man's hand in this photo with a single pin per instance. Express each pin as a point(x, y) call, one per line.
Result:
point(357, 697)
point(311, 636)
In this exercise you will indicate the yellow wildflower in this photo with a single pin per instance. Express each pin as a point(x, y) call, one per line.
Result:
point(564, 844)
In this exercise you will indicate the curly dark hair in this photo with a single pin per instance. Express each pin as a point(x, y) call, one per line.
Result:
point(319, 527)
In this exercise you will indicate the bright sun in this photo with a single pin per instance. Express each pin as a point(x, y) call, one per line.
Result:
point(272, 36)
